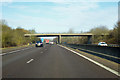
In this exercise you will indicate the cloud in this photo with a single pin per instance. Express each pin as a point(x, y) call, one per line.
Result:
point(6, 0)
point(18, 7)
point(87, 15)
point(59, 1)
point(61, 17)
point(76, 7)
point(65, 1)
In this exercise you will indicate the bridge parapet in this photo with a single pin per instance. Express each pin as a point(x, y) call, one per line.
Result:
point(89, 35)
point(82, 34)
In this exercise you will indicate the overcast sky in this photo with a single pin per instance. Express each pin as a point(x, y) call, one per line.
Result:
point(51, 16)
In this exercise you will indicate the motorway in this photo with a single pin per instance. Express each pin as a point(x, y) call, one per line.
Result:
point(50, 61)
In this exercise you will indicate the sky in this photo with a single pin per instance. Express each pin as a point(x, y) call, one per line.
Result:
point(53, 16)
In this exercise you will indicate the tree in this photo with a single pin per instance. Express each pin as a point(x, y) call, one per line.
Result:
point(115, 34)
point(15, 37)
point(70, 31)
point(6, 35)
point(98, 31)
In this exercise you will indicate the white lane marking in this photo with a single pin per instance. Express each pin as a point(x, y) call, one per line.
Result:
point(23, 49)
point(3, 54)
point(41, 52)
point(30, 61)
point(26, 48)
point(14, 51)
point(18, 50)
point(97, 63)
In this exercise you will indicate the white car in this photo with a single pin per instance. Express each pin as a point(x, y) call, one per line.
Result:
point(51, 42)
point(102, 44)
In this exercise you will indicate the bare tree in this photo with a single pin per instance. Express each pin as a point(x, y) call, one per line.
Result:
point(71, 31)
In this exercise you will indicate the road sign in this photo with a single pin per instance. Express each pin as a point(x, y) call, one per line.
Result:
point(42, 39)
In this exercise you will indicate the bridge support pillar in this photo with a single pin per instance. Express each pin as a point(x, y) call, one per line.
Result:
point(89, 39)
point(59, 39)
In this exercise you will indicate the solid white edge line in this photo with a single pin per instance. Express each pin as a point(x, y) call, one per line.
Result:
point(97, 63)
point(14, 51)
point(30, 61)
point(3, 54)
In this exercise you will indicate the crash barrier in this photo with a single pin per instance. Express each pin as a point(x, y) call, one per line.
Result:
point(107, 52)
point(113, 45)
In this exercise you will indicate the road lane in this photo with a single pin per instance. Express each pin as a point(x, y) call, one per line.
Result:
point(53, 62)
point(8, 58)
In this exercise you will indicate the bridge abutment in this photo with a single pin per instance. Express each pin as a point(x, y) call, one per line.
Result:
point(59, 39)
point(89, 39)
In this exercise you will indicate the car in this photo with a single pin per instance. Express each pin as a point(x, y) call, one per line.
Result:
point(51, 42)
point(102, 44)
point(39, 44)
point(47, 41)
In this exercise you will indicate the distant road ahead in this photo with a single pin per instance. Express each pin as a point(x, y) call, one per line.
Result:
point(50, 61)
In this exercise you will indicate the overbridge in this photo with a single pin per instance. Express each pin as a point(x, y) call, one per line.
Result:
point(89, 35)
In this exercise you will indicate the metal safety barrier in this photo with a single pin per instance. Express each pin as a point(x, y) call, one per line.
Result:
point(107, 52)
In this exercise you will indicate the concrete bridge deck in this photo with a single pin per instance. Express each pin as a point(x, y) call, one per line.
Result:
point(49, 35)
point(59, 35)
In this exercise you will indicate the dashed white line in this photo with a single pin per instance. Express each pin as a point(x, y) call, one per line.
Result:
point(41, 52)
point(30, 61)
point(97, 63)
point(26, 48)
point(18, 50)
point(23, 49)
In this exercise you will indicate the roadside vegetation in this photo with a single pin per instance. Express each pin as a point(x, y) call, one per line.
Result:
point(15, 37)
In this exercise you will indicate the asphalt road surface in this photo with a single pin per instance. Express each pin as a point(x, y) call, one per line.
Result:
point(50, 61)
